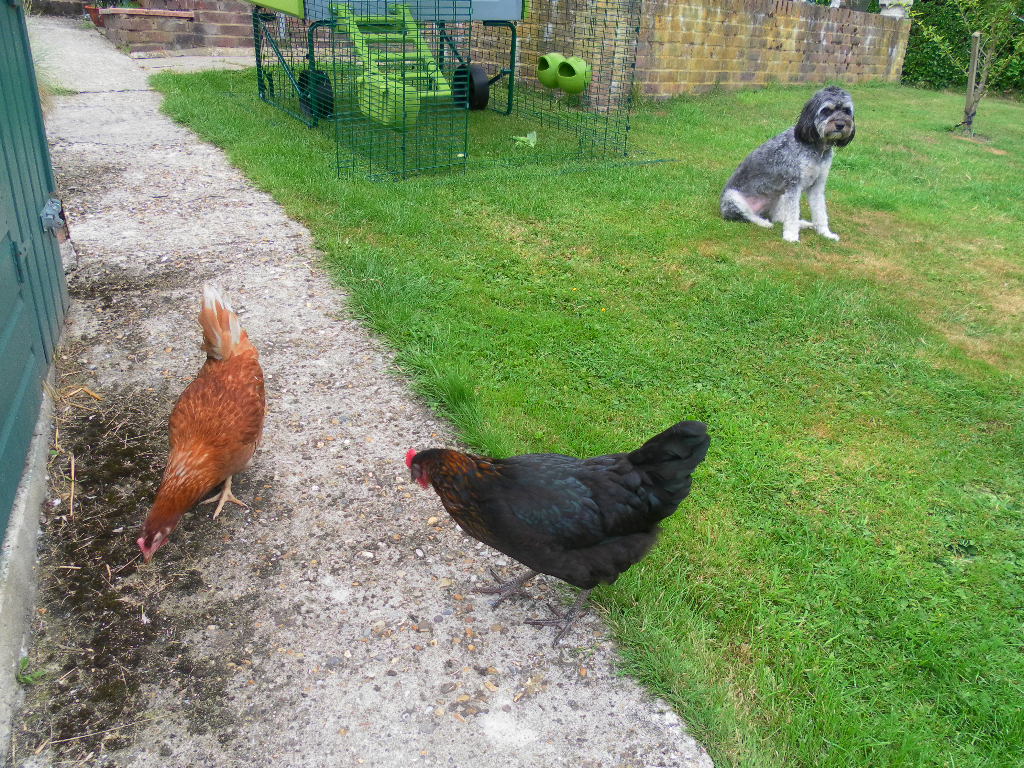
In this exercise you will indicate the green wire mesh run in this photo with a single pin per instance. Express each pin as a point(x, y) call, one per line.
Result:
point(390, 79)
point(395, 80)
point(588, 43)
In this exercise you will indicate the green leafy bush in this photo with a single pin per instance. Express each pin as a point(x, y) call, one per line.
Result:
point(925, 65)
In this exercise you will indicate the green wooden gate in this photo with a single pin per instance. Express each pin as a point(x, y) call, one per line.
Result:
point(33, 295)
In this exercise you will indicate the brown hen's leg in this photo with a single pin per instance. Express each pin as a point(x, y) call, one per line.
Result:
point(506, 589)
point(564, 620)
point(223, 497)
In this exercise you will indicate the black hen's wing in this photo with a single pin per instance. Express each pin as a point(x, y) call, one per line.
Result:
point(586, 521)
point(579, 502)
point(578, 520)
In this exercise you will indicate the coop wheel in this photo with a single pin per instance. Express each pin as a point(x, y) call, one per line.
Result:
point(316, 96)
point(472, 86)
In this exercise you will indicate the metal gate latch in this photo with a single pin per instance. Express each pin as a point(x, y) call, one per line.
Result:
point(53, 219)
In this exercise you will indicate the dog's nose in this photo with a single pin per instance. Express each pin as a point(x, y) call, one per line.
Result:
point(840, 125)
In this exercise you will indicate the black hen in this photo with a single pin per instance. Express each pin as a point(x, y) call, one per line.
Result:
point(584, 521)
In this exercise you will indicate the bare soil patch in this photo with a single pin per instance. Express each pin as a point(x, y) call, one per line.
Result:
point(108, 624)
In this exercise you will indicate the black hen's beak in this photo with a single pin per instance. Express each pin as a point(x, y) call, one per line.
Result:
point(419, 476)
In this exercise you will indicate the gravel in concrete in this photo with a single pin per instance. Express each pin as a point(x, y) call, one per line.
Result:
point(330, 625)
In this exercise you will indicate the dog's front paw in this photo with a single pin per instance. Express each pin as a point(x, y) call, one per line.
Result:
point(829, 235)
point(791, 237)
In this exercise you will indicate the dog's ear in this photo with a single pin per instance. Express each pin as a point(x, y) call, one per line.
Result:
point(848, 139)
point(806, 129)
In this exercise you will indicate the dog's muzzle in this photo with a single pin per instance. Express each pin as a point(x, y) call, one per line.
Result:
point(838, 129)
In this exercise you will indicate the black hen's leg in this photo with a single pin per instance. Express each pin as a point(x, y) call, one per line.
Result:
point(564, 620)
point(506, 589)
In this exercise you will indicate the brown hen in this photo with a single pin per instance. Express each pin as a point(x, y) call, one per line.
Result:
point(215, 425)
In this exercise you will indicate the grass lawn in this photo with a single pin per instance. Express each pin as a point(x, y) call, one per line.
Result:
point(845, 585)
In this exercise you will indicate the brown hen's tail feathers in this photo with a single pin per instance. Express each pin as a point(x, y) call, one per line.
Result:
point(222, 332)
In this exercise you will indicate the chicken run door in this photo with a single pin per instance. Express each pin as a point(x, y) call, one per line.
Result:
point(33, 295)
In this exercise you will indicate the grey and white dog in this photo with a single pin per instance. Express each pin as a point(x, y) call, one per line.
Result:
point(767, 186)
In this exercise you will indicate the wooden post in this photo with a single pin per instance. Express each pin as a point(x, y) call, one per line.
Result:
point(971, 105)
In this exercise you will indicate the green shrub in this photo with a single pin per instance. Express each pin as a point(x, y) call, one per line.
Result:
point(925, 65)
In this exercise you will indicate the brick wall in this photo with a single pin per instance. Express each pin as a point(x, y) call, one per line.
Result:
point(209, 24)
point(139, 33)
point(218, 23)
point(690, 46)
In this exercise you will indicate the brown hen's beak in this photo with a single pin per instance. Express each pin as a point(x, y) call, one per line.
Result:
point(147, 554)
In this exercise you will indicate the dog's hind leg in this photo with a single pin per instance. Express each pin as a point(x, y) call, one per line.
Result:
point(735, 207)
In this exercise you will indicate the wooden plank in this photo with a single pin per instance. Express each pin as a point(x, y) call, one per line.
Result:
point(187, 15)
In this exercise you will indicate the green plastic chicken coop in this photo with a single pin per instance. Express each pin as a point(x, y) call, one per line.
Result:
point(397, 81)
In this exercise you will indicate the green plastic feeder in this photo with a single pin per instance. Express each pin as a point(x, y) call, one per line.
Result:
point(547, 69)
point(573, 75)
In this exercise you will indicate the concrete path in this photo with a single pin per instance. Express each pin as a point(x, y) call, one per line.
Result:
point(330, 625)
